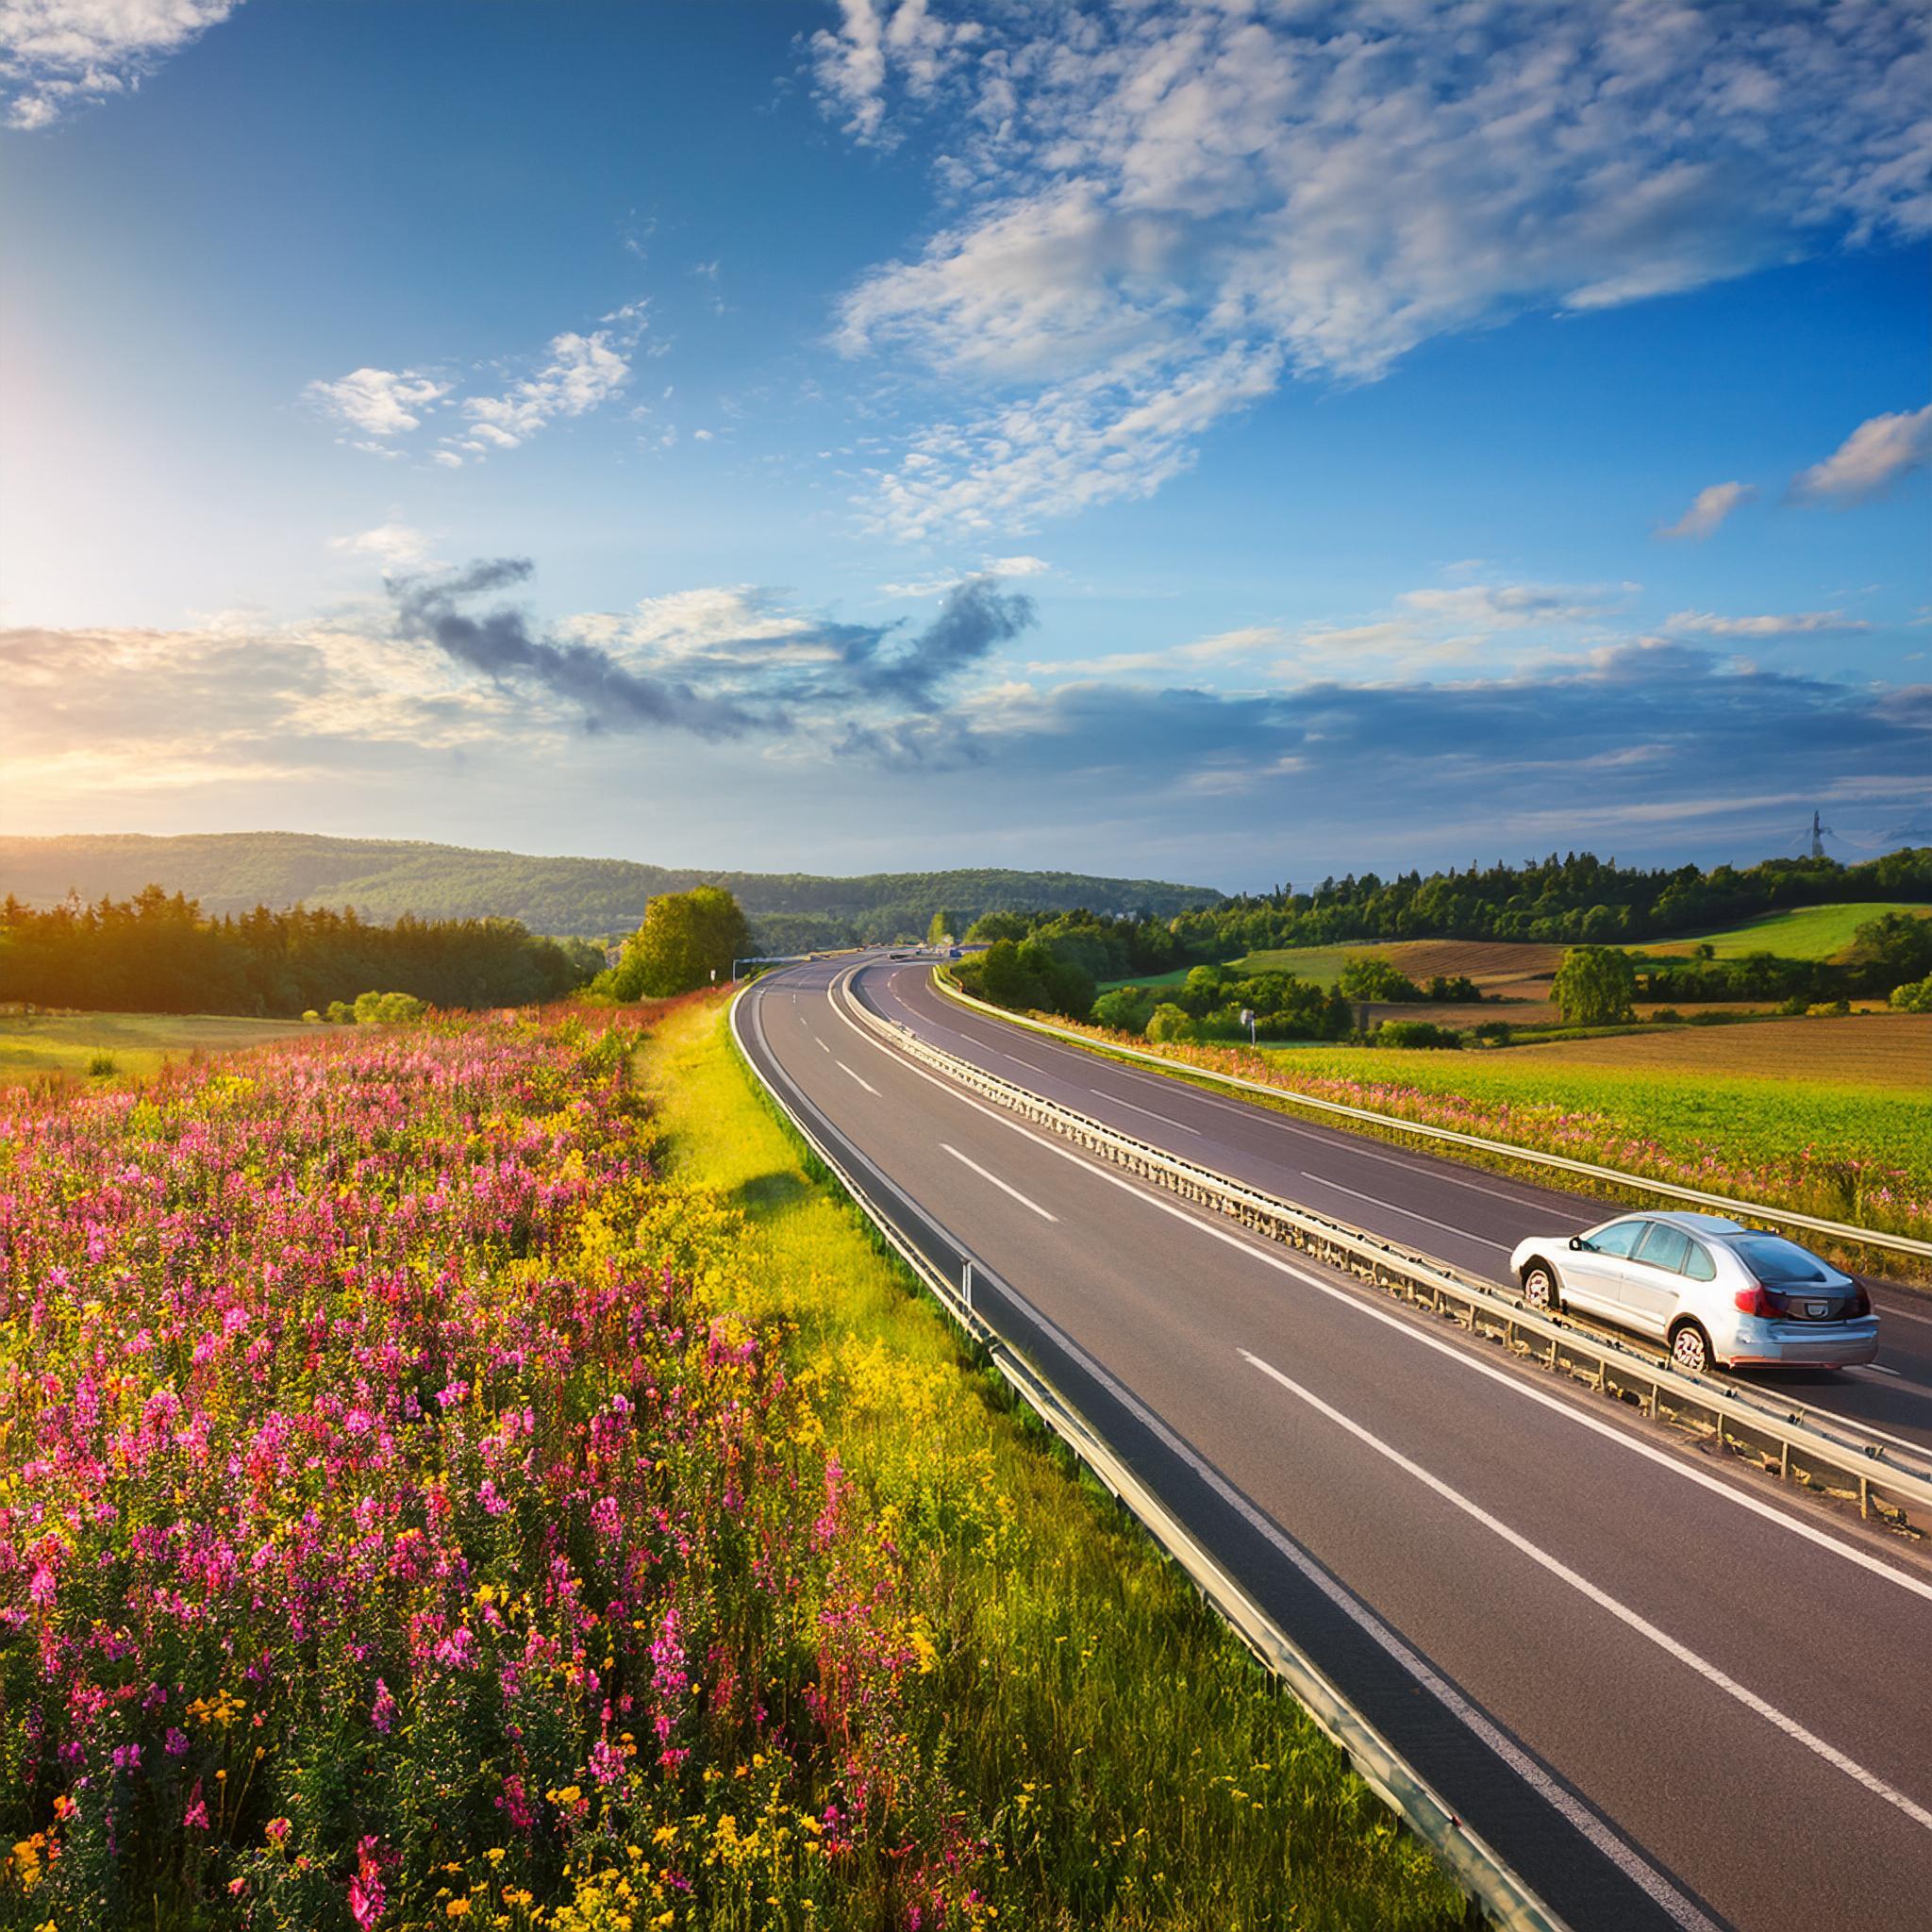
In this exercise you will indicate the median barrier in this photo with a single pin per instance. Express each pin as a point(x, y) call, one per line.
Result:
point(1795, 1445)
point(1723, 1204)
point(1505, 1900)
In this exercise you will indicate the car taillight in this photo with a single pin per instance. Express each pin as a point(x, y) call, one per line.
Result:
point(1755, 1300)
point(1862, 1305)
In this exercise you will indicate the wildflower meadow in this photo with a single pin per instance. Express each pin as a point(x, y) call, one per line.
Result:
point(413, 1514)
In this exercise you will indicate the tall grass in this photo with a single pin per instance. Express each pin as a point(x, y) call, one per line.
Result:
point(1126, 1761)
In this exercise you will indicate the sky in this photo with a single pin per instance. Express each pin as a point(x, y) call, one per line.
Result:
point(1232, 442)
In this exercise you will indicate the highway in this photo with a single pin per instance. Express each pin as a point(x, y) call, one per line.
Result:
point(1667, 1693)
point(1466, 1216)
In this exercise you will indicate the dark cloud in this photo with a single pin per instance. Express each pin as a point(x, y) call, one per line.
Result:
point(976, 616)
point(500, 645)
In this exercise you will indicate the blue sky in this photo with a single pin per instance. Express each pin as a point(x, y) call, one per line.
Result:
point(1236, 442)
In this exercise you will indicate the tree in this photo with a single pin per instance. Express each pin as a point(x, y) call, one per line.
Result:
point(1126, 1009)
point(1373, 977)
point(1169, 1023)
point(684, 938)
point(1594, 986)
point(939, 933)
point(1888, 951)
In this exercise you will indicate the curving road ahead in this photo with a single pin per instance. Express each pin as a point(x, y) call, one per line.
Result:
point(1669, 1693)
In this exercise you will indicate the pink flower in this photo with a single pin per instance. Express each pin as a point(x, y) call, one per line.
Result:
point(195, 1816)
point(382, 1713)
point(366, 1894)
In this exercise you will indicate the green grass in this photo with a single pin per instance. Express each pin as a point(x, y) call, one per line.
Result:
point(1136, 1767)
point(1808, 932)
point(1845, 1151)
point(36, 1043)
point(1321, 964)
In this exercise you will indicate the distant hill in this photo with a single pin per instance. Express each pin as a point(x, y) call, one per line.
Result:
point(383, 878)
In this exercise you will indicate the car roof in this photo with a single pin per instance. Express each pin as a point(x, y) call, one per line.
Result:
point(1694, 1224)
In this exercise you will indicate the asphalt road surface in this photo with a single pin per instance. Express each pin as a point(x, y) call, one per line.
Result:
point(1668, 1692)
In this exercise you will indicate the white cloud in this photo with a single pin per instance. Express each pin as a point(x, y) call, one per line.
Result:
point(1016, 566)
point(391, 543)
point(1709, 508)
point(55, 55)
point(1793, 623)
point(583, 372)
point(1166, 208)
point(378, 401)
point(1873, 457)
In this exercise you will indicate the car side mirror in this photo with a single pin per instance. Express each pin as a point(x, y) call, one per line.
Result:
point(1577, 1243)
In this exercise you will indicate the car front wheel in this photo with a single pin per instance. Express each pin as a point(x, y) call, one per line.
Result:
point(1691, 1349)
point(1540, 1288)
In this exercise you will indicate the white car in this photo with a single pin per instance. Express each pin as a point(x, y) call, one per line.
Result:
point(1711, 1289)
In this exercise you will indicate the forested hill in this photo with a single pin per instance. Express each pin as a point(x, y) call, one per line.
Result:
point(383, 878)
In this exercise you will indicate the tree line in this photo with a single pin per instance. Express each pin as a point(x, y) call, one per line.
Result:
point(159, 953)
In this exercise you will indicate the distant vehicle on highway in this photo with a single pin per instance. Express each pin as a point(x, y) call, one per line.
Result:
point(1709, 1289)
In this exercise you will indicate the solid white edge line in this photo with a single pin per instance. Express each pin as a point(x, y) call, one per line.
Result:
point(1354, 1298)
point(1684, 1654)
point(1004, 1187)
point(1600, 1835)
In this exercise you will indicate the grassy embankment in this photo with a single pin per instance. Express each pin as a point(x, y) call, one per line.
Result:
point(32, 1044)
point(1133, 1766)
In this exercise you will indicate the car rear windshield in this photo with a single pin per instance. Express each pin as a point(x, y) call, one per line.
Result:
point(1771, 1257)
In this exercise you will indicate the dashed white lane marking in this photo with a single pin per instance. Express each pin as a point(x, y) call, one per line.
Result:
point(1603, 1600)
point(1004, 1187)
point(819, 1044)
point(1134, 1107)
point(860, 1077)
point(1872, 1369)
point(1407, 1213)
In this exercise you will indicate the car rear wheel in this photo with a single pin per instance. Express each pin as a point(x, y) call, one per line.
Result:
point(1690, 1348)
point(1540, 1288)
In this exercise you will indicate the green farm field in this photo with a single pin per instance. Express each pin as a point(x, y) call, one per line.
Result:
point(1807, 932)
point(1849, 1137)
point(36, 1043)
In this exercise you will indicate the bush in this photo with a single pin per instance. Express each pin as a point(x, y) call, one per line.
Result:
point(1415, 1033)
point(312, 1018)
point(1667, 1016)
point(1373, 977)
point(1168, 1023)
point(340, 1013)
point(1794, 1006)
point(1915, 997)
point(100, 1066)
point(386, 1009)
point(1497, 1032)
point(1126, 1009)
point(1828, 1009)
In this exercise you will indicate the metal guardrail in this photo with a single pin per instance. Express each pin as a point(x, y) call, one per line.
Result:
point(1723, 1203)
point(1503, 1897)
point(1794, 1445)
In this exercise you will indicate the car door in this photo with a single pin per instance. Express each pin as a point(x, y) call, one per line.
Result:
point(1654, 1278)
point(1593, 1277)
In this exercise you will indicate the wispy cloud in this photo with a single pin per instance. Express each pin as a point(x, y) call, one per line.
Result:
point(57, 54)
point(1709, 508)
point(1166, 210)
point(1870, 461)
point(579, 373)
point(1793, 623)
point(391, 543)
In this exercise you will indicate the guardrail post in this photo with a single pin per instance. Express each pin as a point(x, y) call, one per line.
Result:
point(966, 1283)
